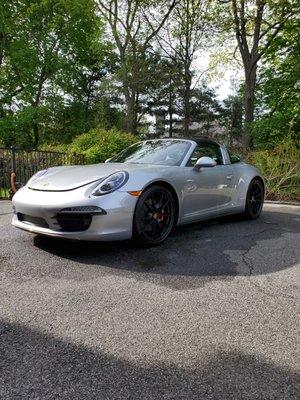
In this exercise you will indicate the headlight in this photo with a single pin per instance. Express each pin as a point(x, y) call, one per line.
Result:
point(37, 175)
point(111, 183)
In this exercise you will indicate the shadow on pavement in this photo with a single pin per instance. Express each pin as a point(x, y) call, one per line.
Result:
point(210, 250)
point(34, 365)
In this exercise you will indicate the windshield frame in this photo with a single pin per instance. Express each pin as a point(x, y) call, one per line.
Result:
point(183, 162)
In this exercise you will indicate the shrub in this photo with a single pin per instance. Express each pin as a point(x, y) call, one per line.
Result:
point(99, 144)
point(60, 147)
point(69, 157)
point(280, 168)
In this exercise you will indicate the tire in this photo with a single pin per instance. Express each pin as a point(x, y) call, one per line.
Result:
point(154, 216)
point(255, 199)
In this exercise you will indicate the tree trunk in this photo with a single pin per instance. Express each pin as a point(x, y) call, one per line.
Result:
point(170, 123)
point(160, 121)
point(186, 114)
point(131, 113)
point(135, 113)
point(130, 103)
point(2, 44)
point(250, 80)
point(88, 99)
point(36, 133)
point(170, 109)
point(186, 100)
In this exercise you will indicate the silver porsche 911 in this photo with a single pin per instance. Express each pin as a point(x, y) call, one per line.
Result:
point(143, 192)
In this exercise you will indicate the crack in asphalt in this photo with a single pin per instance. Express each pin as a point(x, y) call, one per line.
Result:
point(250, 266)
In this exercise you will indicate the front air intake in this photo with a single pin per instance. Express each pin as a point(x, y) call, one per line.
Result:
point(29, 219)
point(74, 222)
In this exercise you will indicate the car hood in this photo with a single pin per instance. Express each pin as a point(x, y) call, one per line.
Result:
point(72, 177)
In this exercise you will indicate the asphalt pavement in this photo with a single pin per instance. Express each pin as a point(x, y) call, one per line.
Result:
point(213, 313)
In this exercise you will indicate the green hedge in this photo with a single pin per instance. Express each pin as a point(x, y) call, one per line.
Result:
point(99, 144)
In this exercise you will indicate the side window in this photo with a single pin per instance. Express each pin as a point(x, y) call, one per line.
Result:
point(206, 151)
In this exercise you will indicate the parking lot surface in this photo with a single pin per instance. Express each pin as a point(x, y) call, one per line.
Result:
point(213, 313)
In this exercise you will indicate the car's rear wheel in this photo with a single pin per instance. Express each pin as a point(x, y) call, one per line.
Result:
point(154, 216)
point(255, 199)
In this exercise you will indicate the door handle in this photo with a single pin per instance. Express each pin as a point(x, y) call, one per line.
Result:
point(229, 177)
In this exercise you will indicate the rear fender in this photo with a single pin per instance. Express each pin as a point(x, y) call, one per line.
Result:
point(246, 174)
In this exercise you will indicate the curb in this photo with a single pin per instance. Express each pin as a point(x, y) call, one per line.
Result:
point(282, 203)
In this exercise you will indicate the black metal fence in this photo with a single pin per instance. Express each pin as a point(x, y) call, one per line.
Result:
point(17, 166)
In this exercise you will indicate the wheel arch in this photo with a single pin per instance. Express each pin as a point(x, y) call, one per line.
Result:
point(171, 188)
point(258, 177)
point(245, 175)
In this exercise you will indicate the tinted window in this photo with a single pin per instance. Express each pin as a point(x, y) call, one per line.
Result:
point(206, 150)
point(157, 152)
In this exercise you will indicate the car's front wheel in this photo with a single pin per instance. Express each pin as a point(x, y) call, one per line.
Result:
point(255, 199)
point(154, 216)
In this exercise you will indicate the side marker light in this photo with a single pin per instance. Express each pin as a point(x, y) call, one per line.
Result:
point(135, 193)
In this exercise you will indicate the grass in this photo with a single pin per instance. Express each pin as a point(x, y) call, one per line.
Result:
point(280, 167)
point(4, 193)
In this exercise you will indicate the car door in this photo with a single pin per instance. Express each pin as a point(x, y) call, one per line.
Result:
point(209, 191)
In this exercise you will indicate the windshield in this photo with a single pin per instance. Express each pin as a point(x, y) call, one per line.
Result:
point(157, 152)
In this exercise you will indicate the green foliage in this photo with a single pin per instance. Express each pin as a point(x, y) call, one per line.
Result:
point(232, 118)
point(59, 147)
point(281, 169)
point(50, 58)
point(60, 76)
point(4, 193)
point(278, 92)
point(17, 128)
point(67, 122)
point(99, 144)
point(269, 130)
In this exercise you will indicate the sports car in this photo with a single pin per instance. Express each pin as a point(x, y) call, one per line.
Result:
point(142, 192)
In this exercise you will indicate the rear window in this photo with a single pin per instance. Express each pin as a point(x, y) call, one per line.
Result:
point(234, 158)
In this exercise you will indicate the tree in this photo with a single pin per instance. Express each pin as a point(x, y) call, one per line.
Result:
point(48, 49)
point(163, 100)
point(133, 24)
point(278, 95)
point(256, 24)
point(181, 40)
point(191, 19)
point(166, 103)
point(205, 110)
point(232, 116)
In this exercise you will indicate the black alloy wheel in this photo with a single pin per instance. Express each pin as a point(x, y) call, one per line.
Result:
point(154, 216)
point(255, 199)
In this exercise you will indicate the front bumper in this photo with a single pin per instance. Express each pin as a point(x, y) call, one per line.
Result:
point(116, 224)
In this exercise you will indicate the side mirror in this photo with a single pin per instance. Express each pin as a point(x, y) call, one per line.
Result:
point(204, 162)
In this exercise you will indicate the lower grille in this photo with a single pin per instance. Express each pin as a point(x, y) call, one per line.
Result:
point(37, 221)
point(74, 222)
